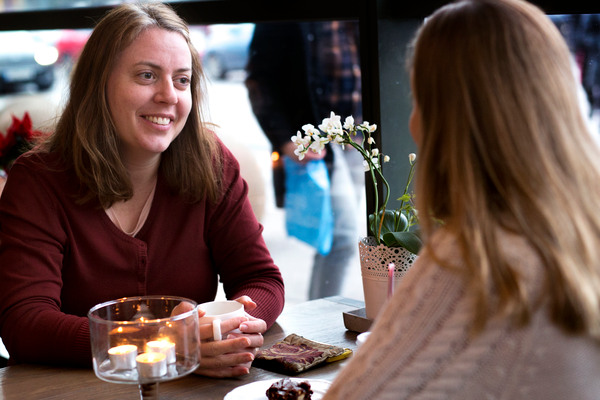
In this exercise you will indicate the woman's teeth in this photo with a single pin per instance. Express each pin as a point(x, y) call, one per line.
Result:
point(158, 120)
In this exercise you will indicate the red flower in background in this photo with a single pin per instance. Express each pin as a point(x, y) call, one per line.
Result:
point(16, 141)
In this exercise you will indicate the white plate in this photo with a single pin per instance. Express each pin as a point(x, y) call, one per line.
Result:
point(258, 390)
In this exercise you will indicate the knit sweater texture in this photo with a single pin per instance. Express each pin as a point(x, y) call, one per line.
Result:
point(59, 258)
point(421, 345)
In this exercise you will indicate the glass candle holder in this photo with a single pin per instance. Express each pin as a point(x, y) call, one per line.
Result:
point(144, 340)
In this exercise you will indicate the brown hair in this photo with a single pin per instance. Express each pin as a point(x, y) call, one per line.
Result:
point(504, 144)
point(85, 135)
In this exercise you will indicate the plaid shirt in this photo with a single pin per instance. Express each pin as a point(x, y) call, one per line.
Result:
point(335, 57)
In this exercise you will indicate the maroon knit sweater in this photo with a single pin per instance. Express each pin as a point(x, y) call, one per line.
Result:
point(58, 258)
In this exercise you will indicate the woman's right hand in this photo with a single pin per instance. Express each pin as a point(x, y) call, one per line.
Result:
point(233, 355)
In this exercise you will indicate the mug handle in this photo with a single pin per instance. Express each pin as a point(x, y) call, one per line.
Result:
point(216, 325)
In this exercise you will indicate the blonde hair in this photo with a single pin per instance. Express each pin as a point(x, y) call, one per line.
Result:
point(504, 144)
point(85, 135)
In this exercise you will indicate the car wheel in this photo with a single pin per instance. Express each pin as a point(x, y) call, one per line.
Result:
point(45, 80)
point(214, 67)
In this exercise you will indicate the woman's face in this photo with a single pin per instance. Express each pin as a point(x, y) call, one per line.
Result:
point(149, 93)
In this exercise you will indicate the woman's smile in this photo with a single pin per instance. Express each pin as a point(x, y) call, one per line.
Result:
point(158, 120)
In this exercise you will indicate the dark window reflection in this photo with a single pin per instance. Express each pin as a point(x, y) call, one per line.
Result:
point(582, 33)
point(30, 5)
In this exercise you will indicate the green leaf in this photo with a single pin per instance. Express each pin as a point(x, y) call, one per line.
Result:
point(372, 224)
point(389, 222)
point(401, 222)
point(409, 240)
point(405, 197)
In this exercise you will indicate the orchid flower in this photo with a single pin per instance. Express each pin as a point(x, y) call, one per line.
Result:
point(331, 130)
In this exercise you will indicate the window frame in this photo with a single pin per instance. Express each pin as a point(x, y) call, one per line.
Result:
point(379, 20)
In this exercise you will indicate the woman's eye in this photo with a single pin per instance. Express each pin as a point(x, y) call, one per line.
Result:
point(146, 75)
point(183, 81)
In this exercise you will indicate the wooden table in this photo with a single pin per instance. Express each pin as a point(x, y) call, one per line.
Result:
point(320, 320)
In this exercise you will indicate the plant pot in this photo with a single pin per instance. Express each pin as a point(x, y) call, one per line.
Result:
point(374, 261)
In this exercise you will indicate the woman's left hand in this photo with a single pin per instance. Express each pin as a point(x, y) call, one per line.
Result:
point(233, 355)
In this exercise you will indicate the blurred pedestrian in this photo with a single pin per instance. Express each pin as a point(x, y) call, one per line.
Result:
point(298, 73)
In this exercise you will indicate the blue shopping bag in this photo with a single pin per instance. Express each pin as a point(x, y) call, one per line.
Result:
point(308, 213)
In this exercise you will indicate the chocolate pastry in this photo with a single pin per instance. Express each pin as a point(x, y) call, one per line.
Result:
point(286, 389)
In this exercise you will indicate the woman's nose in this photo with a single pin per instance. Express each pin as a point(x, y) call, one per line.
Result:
point(166, 92)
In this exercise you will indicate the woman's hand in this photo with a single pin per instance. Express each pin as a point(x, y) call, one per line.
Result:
point(233, 355)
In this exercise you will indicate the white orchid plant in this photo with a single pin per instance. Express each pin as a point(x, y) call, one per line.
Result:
point(394, 228)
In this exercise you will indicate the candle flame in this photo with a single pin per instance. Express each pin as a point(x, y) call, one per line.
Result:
point(161, 343)
point(123, 349)
point(150, 357)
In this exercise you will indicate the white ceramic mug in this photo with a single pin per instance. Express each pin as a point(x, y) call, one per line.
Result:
point(217, 311)
point(362, 338)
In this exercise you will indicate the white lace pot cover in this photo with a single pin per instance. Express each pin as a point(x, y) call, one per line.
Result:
point(374, 261)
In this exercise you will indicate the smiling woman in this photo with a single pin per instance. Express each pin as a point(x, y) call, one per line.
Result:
point(132, 195)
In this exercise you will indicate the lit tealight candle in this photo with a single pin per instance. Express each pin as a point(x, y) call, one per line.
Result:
point(163, 346)
point(122, 357)
point(151, 365)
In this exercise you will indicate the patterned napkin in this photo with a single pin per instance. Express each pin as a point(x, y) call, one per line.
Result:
point(295, 354)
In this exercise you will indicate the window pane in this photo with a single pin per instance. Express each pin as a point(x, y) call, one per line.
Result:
point(582, 33)
point(34, 69)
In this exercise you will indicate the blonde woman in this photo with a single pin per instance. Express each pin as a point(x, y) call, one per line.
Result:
point(504, 300)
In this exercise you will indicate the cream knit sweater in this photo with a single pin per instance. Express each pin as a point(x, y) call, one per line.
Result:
point(420, 347)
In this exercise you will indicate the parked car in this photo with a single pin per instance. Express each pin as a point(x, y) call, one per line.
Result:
point(70, 43)
point(26, 58)
point(226, 49)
